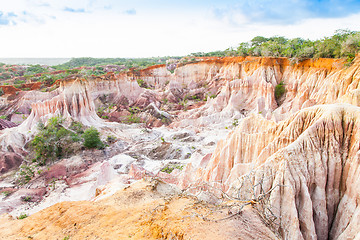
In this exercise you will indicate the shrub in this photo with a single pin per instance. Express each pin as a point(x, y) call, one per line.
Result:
point(133, 119)
point(142, 83)
point(1, 92)
point(54, 141)
point(25, 175)
point(92, 139)
point(22, 216)
point(279, 90)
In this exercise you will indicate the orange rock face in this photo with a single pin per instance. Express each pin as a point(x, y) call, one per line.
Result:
point(9, 89)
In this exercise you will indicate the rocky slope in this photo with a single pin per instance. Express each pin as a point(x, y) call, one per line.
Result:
point(289, 162)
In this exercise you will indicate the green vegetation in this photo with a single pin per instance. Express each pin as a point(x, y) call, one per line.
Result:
point(142, 83)
point(53, 141)
point(26, 173)
point(344, 43)
point(133, 119)
point(92, 138)
point(235, 122)
point(27, 198)
point(165, 100)
point(6, 193)
point(279, 90)
point(128, 63)
point(34, 69)
point(1, 92)
point(169, 168)
point(22, 216)
point(111, 139)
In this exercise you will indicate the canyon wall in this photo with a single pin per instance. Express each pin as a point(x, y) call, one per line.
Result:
point(299, 152)
point(306, 166)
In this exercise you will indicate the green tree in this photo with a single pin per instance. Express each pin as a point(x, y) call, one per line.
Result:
point(258, 41)
point(351, 45)
point(271, 49)
point(243, 49)
point(53, 141)
point(325, 48)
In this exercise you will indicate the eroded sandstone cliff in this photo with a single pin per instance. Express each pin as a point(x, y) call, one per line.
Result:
point(294, 160)
point(306, 166)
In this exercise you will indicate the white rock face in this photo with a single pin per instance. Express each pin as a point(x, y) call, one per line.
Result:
point(308, 165)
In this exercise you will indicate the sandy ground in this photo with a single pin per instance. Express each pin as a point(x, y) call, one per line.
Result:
point(145, 210)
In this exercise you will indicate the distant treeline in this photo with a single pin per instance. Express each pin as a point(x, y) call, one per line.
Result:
point(344, 43)
point(126, 62)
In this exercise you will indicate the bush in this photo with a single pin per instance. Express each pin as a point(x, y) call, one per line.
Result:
point(1, 92)
point(26, 173)
point(279, 90)
point(54, 141)
point(92, 139)
point(142, 83)
point(132, 118)
point(22, 216)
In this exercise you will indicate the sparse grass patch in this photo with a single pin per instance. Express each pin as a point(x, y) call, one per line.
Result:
point(132, 118)
point(235, 122)
point(169, 168)
point(6, 193)
point(26, 173)
point(26, 198)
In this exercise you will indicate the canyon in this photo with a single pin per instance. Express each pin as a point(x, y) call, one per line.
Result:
point(207, 151)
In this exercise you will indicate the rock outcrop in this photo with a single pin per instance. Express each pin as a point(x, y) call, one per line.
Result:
point(74, 101)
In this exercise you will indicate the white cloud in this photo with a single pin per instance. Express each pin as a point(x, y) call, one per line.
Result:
point(104, 31)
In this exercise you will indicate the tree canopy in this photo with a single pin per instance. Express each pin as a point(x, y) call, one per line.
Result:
point(344, 43)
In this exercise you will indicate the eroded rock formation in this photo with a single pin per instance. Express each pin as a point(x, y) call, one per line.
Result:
point(292, 156)
point(308, 166)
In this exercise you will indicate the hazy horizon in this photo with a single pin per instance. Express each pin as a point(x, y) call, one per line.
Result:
point(33, 61)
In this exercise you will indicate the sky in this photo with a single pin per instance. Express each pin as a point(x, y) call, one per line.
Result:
point(151, 28)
